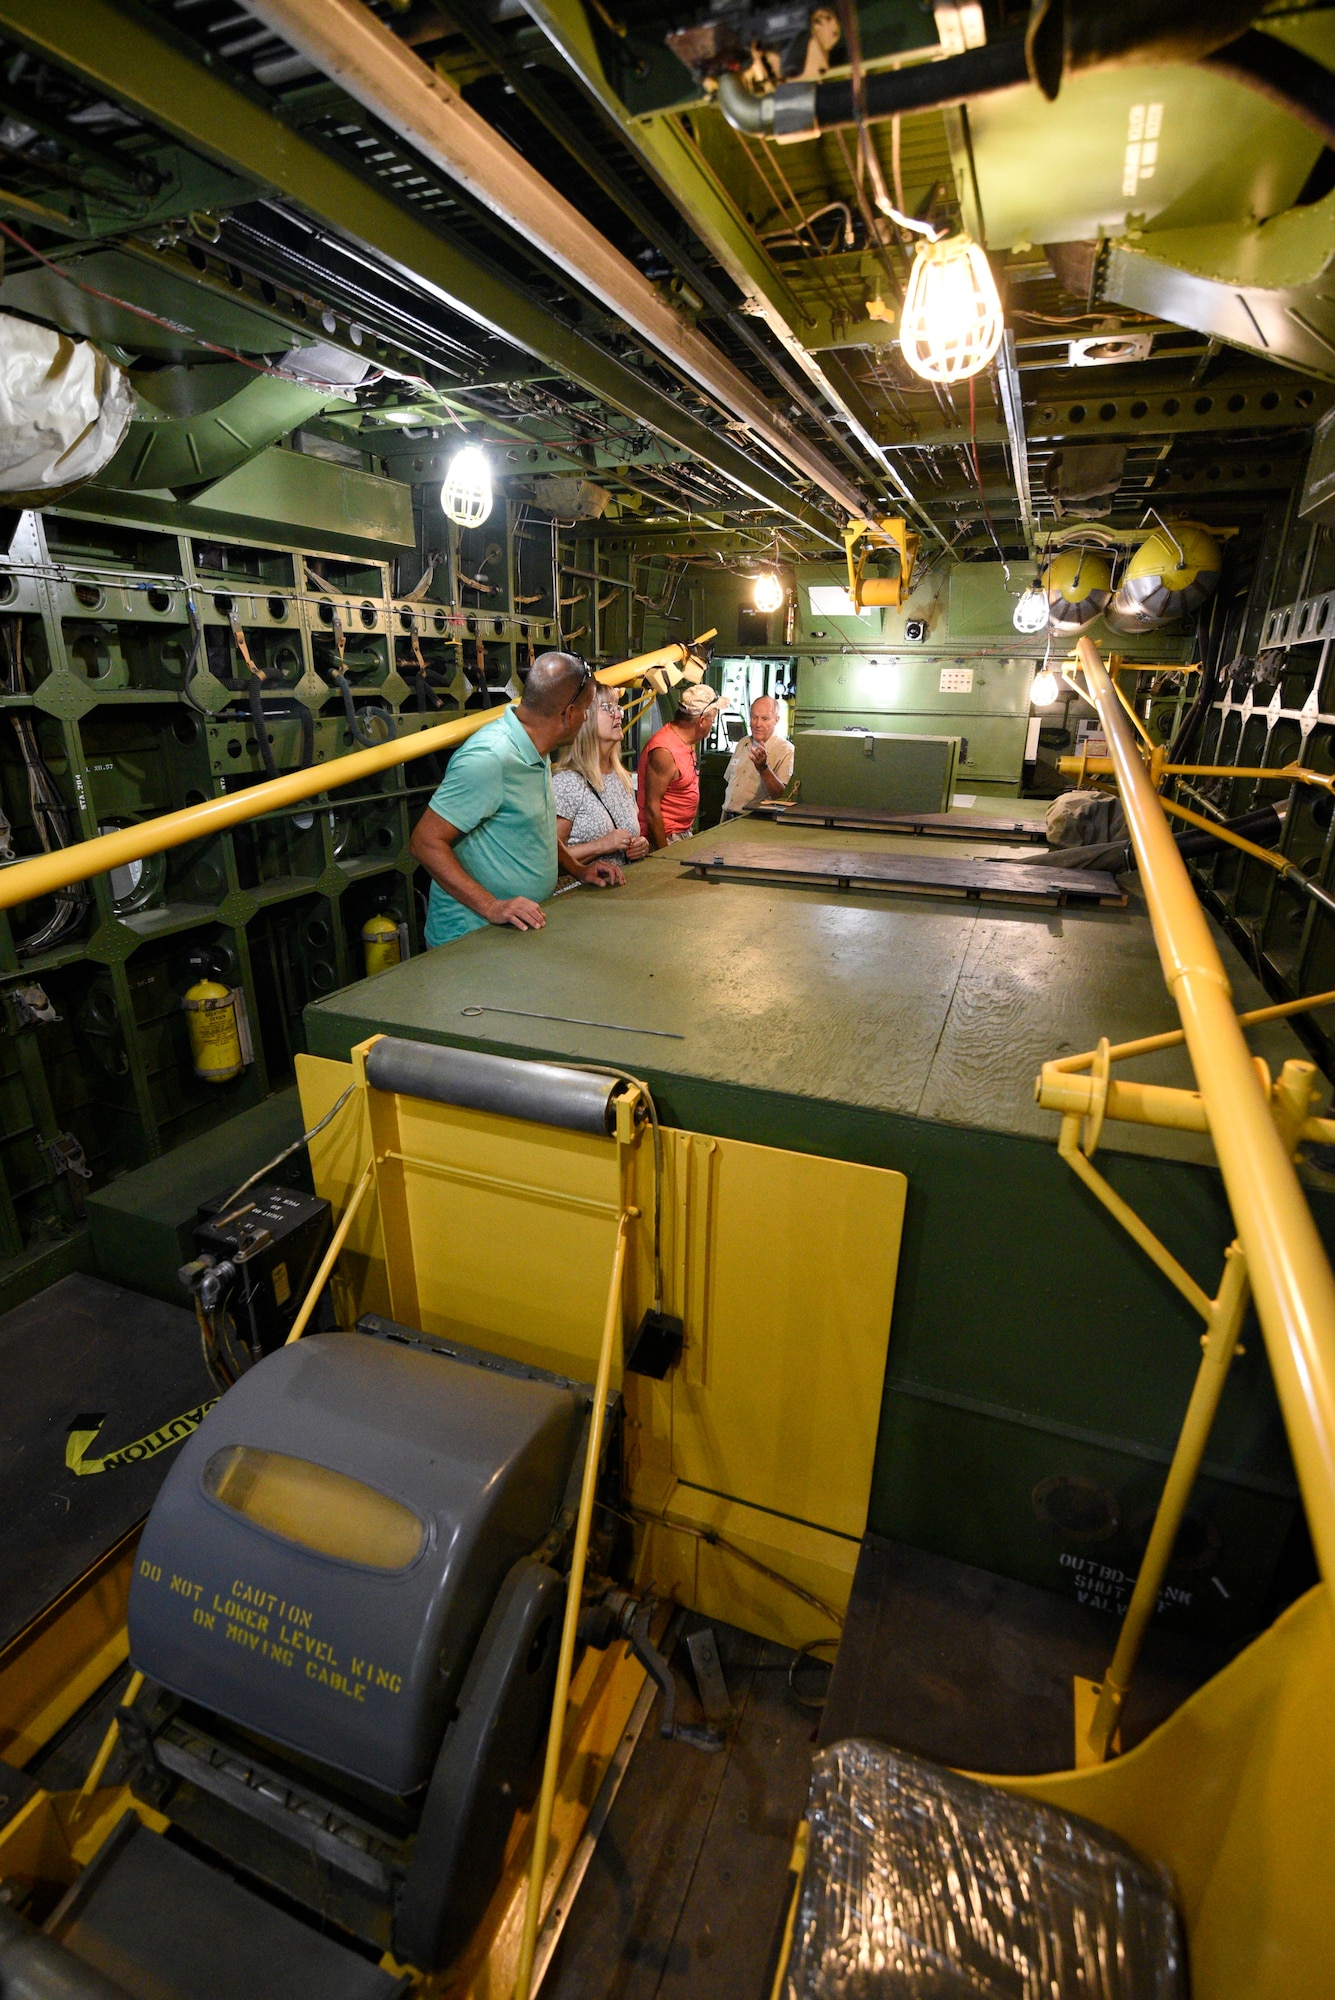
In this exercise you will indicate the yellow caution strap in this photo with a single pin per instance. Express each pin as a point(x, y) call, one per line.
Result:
point(78, 1441)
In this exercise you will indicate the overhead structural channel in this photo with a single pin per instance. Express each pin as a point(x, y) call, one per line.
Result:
point(365, 58)
point(167, 86)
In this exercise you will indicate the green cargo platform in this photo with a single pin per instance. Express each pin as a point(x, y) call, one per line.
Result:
point(1039, 1366)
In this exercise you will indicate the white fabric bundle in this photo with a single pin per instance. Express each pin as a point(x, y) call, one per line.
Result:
point(64, 409)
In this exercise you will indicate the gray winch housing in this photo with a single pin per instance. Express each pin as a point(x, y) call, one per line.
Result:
point(355, 1666)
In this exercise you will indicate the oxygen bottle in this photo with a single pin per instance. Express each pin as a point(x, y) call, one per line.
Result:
point(380, 943)
point(215, 1039)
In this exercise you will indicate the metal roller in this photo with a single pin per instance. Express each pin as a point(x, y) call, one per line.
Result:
point(539, 1092)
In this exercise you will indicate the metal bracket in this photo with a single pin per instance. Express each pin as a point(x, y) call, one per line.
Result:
point(66, 1156)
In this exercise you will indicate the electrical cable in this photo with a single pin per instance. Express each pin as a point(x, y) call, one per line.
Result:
point(176, 326)
point(287, 1152)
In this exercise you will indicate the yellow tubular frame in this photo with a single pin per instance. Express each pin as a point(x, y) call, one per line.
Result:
point(551, 1767)
point(44, 874)
point(1286, 1263)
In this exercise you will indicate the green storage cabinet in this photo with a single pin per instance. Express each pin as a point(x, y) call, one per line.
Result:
point(991, 747)
point(884, 770)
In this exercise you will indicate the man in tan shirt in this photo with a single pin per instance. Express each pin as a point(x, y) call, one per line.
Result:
point(761, 766)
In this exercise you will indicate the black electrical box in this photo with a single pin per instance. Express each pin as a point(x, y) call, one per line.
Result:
point(274, 1238)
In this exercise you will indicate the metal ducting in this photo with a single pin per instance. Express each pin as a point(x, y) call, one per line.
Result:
point(1173, 572)
point(1078, 585)
point(365, 58)
point(1063, 39)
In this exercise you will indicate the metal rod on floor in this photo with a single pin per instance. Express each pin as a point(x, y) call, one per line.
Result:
point(574, 1588)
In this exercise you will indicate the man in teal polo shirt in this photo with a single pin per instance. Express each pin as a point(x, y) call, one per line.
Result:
point(488, 839)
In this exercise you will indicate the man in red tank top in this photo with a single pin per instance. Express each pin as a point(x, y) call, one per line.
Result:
point(669, 783)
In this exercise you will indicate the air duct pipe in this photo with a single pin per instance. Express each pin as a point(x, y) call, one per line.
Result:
point(1064, 38)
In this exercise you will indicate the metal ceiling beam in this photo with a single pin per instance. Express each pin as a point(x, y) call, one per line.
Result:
point(175, 92)
point(1012, 409)
point(366, 59)
point(685, 179)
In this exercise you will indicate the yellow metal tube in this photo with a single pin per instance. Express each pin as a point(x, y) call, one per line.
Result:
point(1291, 774)
point(331, 1255)
point(107, 1745)
point(1135, 1103)
point(1279, 862)
point(1223, 1326)
point(44, 874)
point(1068, 1146)
point(551, 1767)
point(1289, 1272)
point(1174, 1038)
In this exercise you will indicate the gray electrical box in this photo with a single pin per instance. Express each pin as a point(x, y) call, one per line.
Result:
point(861, 770)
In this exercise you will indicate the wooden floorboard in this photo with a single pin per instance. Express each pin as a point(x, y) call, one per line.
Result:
point(877, 871)
point(687, 1886)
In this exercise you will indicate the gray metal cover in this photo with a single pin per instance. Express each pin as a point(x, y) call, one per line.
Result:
point(358, 1667)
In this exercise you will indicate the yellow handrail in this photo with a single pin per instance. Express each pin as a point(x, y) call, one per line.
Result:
point(44, 874)
point(1291, 1278)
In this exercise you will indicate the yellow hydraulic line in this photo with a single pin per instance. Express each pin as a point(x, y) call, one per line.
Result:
point(44, 874)
point(330, 1258)
point(542, 1825)
point(1290, 1275)
point(1139, 726)
point(1223, 1318)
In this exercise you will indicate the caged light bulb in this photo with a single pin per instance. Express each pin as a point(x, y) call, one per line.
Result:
point(466, 494)
point(1044, 690)
point(768, 593)
point(952, 324)
point(1031, 610)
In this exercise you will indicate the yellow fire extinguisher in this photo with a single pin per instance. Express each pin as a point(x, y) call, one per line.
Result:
point(381, 944)
point(215, 1037)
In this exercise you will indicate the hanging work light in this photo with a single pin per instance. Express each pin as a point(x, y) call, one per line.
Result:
point(1031, 610)
point(1044, 690)
point(952, 323)
point(466, 494)
point(768, 593)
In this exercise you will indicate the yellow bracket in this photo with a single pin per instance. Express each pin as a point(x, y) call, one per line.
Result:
point(1082, 1090)
point(890, 532)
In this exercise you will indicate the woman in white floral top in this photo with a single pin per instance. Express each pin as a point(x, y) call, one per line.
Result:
point(595, 803)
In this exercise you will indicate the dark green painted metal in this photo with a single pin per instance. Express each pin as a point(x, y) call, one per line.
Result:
point(909, 1038)
point(164, 85)
point(140, 1224)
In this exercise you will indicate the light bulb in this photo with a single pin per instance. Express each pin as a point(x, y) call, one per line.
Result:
point(952, 324)
point(768, 593)
point(466, 494)
point(1031, 610)
point(1044, 690)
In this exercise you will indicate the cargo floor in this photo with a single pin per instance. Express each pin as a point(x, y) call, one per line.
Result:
point(686, 1892)
point(975, 1670)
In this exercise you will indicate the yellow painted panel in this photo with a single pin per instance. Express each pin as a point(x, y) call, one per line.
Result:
point(717, 1581)
point(1235, 1794)
point(783, 1266)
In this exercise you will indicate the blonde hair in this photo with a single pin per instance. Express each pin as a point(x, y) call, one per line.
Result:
point(585, 753)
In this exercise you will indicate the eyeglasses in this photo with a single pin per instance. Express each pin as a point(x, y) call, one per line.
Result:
point(609, 704)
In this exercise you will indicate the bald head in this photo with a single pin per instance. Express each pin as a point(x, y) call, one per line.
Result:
point(552, 683)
